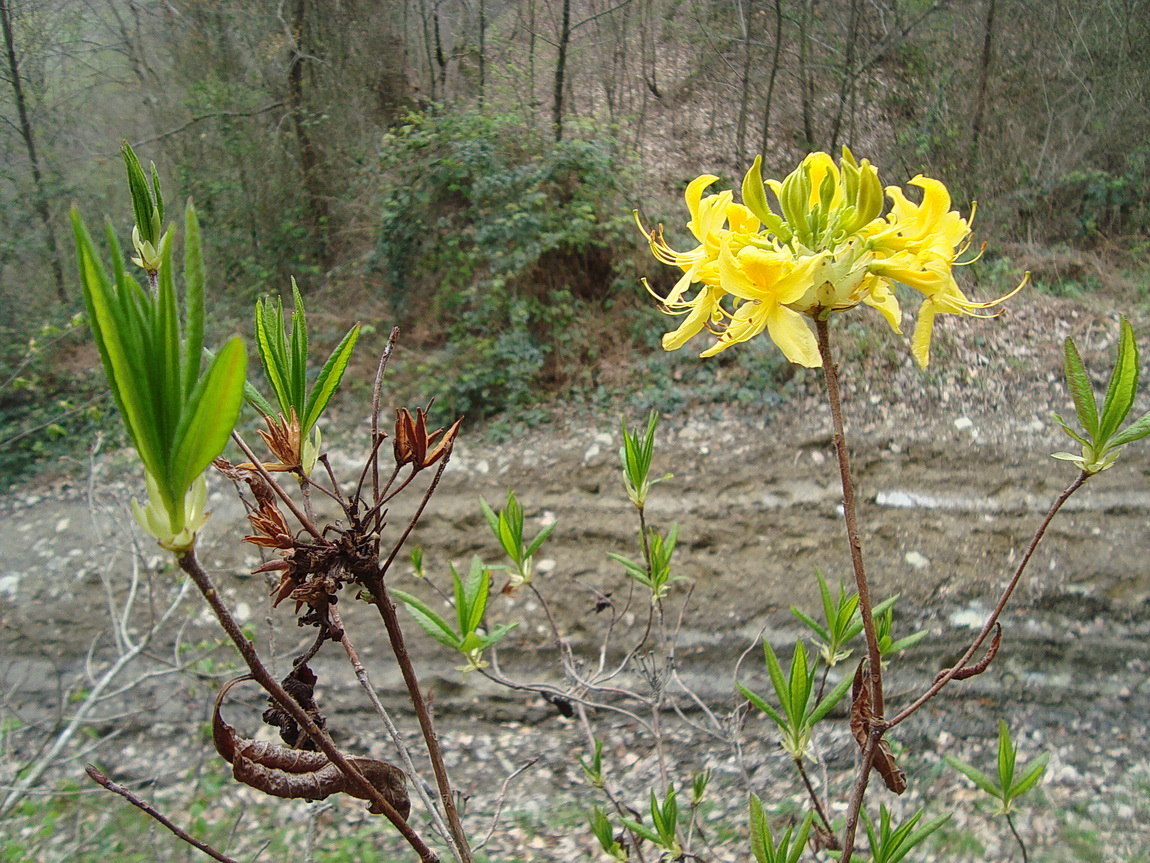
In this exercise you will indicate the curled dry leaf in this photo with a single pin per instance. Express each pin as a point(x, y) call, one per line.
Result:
point(862, 719)
point(968, 671)
point(298, 774)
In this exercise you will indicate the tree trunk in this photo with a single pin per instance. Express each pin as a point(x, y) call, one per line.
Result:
point(976, 124)
point(318, 213)
point(744, 8)
point(41, 196)
point(849, 73)
point(560, 71)
point(775, 60)
point(806, 85)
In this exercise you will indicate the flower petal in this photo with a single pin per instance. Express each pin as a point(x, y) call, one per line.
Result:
point(790, 332)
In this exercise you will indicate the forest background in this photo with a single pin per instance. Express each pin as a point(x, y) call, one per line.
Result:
point(466, 169)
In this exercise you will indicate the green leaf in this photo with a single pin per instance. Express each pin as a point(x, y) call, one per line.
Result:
point(272, 350)
point(812, 623)
point(916, 838)
point(1069, 431)
point(211, 414)
point(540, 538)
point(1078, 382)
point(761, 704)
point(496, 635)
point(329, 379)
point(762, 842)
point(1006, 756)
point(141, 198)
point(831, 699)
point(780, 684)
point(801, 684)
point(1030, 777)
point(1137, 430)
point(1122, 387)
point(645, 832)
point(298, 363)
point(193, 298)
point(122, 360)
point(256, 400)
point(975, 775)
point(478, 589)
point(429, 621)
point(492, 518)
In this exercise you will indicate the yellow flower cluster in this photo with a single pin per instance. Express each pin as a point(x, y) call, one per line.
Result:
point(827, 250)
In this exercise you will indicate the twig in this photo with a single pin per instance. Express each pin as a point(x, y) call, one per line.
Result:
point(1017, 838)
point(101, 778)
point(988, 627)
point(619, 809)
point(377, 588)
point(499, 801)
point(856, 801)
point(376, 394)
point(283, 495)
point(210, 116)
point(814, 796)
point(393, 732)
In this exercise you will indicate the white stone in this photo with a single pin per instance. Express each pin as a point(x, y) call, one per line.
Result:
point(9, 584)
point(917, 559)
point(963, 423)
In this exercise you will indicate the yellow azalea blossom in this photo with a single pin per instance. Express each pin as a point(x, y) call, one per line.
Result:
point(764, 282)
point(827, 249)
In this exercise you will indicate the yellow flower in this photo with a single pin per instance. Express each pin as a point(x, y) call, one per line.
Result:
point(830, 250)
point(764, 282)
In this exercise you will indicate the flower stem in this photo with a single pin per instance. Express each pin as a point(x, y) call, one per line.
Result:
point(850, 515)
point(866, 607)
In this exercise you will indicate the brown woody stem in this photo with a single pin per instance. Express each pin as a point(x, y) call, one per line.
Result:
point(100, 778)
point(866, 607)
point(850, 515)
point(382, 600)
point(259, 672)
point(988, 627)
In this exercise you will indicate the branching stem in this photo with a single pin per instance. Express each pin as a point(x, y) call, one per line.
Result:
point(259, 672)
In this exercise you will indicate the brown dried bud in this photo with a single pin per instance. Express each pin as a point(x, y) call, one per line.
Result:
point(284, 440)
point(413, 445)
point(862, 720)
point(271, 528)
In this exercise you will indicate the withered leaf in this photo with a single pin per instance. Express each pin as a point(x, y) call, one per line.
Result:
point(968, 671)
point(298, 774)
point(862, 718)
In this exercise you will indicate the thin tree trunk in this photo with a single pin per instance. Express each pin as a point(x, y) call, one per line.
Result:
point(41, 196)
point(976, 124)
point(318, 213)
point(560, 71)
point(806, 86)
point(440, 57)
point(744, 8)
point(482, 49)
point(775, 60)
point(849, 74)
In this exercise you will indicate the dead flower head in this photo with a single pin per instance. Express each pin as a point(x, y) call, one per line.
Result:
point(414, 446)
point(284, 441)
